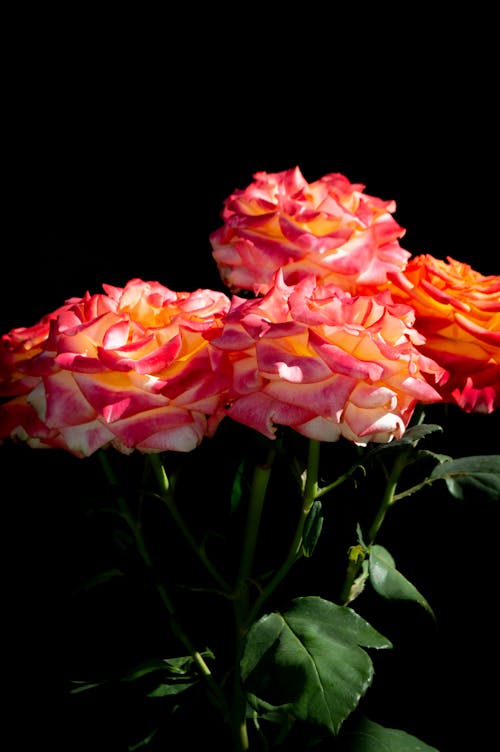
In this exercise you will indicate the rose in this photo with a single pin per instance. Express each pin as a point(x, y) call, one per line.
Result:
point(328, 228)
point(458, 312)
point(130, 368)
point(325, 362)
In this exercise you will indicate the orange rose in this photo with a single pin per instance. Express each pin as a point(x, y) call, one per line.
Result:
point(458, 312)
point(324, 362)
point(130, 368)
point(328, 229)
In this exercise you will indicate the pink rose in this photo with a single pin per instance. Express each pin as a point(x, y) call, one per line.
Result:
point(325, 362)
point(458, 312)
point(129, 368)
point(329, 229)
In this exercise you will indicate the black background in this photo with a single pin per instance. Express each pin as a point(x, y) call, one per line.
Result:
point(122, 137)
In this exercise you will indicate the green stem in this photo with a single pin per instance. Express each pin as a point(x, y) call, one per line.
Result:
point(388, 496)
point(312, 474)
point(341, 479)
point(358, 554)
point(160, 588)
point(256, 500)
point(258, 491)
point(412, 490)
point(167, 496)
point(309, 494)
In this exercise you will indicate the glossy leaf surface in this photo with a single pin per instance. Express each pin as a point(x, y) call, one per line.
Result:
point(310, 661)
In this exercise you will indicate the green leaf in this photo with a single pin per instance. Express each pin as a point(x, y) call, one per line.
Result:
point(471, 476)
point(368, 736)
point(173, 686)
point(100, 579)
point(389, 582)
point(157, 664)
point(416, 433)
point(144, 743)
point(308, 660)
point(177, 667)
point(412, 435)
point(312, 528)
point(84, 686)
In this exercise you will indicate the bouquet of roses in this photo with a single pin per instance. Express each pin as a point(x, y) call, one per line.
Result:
point(307, 380)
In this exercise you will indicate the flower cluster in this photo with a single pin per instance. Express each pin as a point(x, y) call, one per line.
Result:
point(344, 335)
point(325, 362)
point(329, 229)
point(130, 368)
point(458, 312)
